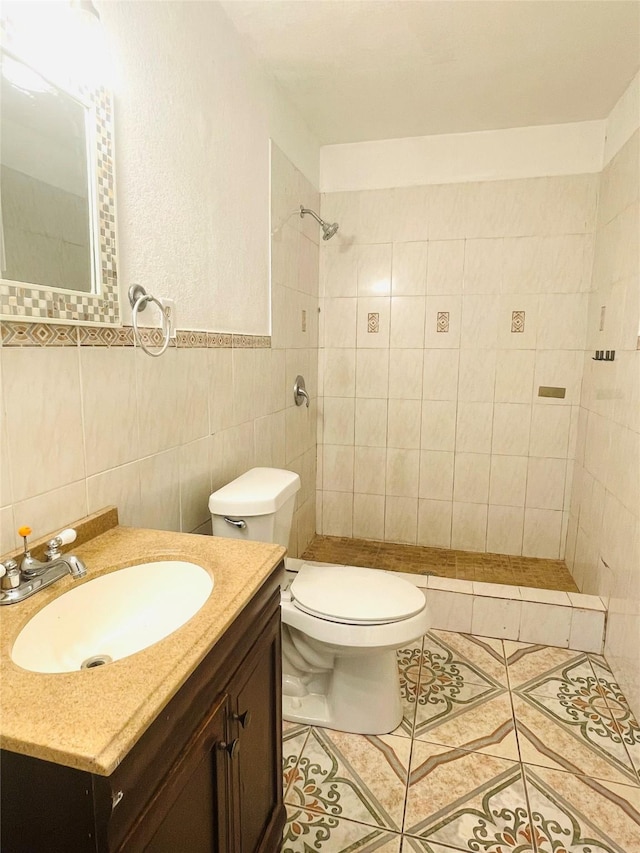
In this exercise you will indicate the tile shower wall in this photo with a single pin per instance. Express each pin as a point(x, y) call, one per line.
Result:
point(444, 308)
point(603, 546)
point(86, 426)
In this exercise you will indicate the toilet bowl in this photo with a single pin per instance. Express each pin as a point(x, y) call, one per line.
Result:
point(341, 625)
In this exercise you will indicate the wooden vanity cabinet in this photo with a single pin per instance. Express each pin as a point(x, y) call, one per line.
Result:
point(204, 778)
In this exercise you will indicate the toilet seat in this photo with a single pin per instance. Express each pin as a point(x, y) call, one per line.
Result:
point(350, 595)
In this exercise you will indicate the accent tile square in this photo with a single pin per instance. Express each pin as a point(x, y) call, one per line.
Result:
point(442, 323)
point(517, 321)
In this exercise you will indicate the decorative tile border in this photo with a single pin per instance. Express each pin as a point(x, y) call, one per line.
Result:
point(217, 340)
point(89, 336)
point(24, 334)
point(190, 340)
point(38, 335)
point(242, 341)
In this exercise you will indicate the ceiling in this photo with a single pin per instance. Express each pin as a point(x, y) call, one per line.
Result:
point(359, 70)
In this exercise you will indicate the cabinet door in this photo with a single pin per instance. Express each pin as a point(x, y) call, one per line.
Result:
point(255, 692)
point(189, 809)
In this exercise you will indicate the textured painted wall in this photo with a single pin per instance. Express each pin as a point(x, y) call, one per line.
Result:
point(193, 116)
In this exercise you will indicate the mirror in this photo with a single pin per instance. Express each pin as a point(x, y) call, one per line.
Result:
point(57, 216)
point(44, 183)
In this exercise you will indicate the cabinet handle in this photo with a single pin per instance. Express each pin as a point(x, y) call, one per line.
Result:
point(232, 748)
point(244, 719)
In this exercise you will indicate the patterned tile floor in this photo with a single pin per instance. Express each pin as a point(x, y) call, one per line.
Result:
point(466, 565)
point(504, 748)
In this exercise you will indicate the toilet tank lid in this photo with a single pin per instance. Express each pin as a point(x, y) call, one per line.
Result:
point(259, 491)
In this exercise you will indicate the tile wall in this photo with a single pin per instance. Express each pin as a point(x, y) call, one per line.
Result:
point(603, 545)
point(444, 308)
point(83, 426)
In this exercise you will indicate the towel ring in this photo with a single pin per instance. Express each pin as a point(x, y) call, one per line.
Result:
point(138, 298)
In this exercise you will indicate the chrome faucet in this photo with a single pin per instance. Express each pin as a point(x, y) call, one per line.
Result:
point(20, 580)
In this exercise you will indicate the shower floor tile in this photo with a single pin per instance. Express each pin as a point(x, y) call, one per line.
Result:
point(504, 748)
point(464, 565)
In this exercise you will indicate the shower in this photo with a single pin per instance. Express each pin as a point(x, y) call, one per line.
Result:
point(329, 228)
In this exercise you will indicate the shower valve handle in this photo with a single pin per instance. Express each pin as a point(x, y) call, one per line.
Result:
point(300, 394)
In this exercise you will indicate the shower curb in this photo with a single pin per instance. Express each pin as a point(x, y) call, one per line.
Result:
point(568, 620)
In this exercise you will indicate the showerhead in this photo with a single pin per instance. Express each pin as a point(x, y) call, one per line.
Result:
point(329, 228)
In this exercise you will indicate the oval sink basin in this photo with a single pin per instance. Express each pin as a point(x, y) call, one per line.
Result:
point(112, 617)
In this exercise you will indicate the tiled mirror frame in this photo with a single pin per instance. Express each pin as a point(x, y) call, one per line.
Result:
point(30, 303)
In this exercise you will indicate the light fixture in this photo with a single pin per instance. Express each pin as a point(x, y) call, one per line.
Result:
point(61, 39)
point(85, 6)
point(24, 78)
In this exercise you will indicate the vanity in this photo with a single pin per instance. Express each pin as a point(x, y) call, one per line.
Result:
point(175, 748)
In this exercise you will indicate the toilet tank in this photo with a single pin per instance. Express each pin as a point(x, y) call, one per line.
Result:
point(260, 502)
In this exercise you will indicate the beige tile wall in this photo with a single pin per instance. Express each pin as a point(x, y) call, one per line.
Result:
point(603, 546)
point(82, 427)
point(432, 430)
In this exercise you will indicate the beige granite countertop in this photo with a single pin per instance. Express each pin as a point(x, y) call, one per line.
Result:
point(91, 719)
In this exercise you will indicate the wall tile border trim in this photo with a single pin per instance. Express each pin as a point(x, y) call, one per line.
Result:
point(17, 334)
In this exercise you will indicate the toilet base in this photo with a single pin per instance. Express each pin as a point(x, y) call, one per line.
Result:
point(363, 696)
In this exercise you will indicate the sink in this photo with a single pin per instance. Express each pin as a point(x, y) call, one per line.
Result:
point(112, 616)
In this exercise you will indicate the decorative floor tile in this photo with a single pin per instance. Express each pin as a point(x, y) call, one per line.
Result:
point(527, 662)
point(547, 739)
point(409, 660)
point(307, 830)
point(357, 777)
point(570, 788)
point(421, 845)
point(481, 658)
point(473, 720)
point(293, 728)
point(621, 714)
point(294, 737)
point(575, 813)
point(569, 715)
point(467, 801)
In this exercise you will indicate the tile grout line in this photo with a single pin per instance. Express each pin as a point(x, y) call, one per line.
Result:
point(517, 735)
point(413, 725)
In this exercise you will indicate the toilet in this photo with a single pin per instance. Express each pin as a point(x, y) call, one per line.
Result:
point(341, 625)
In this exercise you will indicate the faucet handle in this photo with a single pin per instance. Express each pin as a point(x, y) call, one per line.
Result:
point(9, 575)
point(25, 531)
point(65, 537)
